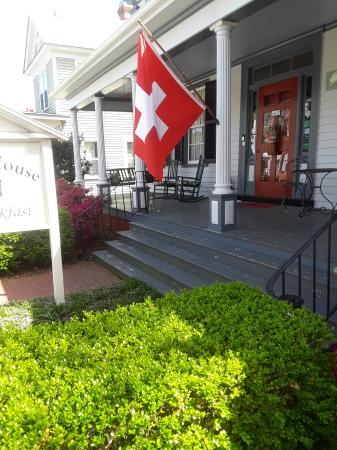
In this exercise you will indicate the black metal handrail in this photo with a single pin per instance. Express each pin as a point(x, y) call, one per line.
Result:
point(104, 217)
point(316, 281)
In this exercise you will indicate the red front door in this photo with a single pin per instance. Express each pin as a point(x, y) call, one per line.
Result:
point(276, 126)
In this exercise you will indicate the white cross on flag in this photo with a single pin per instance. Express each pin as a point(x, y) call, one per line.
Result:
point(164, 109)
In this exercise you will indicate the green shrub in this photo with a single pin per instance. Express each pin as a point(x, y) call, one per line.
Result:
point(67, 233)
point(7, 257)
point(289, 393)
point(218, 367)
point(30, 249)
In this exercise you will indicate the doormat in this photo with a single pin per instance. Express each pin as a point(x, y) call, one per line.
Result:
point(257, 205)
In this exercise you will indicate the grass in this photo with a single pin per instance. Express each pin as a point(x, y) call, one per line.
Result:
point(23, 314)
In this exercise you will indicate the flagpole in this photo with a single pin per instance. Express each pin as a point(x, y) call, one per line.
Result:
point(181, 73)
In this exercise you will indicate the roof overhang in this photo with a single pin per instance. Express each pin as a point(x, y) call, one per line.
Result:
point(183, 30)
point(173, 21)
point(44, 116)
point(31, 130)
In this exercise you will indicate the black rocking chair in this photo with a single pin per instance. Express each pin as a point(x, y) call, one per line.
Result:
point(167, 187)
point(187, 188)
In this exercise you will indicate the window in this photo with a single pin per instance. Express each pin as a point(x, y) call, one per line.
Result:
point(196, 135)
point(306, 109)
point(43, 90)
point(253, 119)
point(91, 155)
point(286, 65)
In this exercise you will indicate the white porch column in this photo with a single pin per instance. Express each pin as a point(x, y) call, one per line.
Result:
point(139, 163)
point(140, 192)
point(223, 200)
point(102, 178)
point(223, 32)
point(76, 147)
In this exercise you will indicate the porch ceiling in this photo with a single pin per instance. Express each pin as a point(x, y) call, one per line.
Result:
point(262, 25)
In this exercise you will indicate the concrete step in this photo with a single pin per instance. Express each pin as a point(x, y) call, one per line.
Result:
point(166, 273)
point(124, 271)
point(213, 267)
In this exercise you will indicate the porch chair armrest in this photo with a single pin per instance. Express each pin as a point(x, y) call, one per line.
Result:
point(186, 178)
point(182, 179)
point(162, 182)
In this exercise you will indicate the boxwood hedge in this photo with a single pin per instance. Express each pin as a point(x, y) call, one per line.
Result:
point(222, 367)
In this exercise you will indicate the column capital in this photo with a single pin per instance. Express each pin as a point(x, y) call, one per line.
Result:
point(133, 77)
point(73, 112)
point(222, 25)
point(98, 99)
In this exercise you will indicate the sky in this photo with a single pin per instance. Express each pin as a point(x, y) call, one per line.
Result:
point(16, 89)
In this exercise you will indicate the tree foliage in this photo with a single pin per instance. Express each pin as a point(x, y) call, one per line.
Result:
point(63, 155)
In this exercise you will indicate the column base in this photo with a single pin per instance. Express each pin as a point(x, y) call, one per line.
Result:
point(222, 212)
point(103, 188)
point(140, 198)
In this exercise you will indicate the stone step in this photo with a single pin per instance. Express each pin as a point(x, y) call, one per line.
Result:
point(168, 274)
point(124, 270)
point(247, 255)
point(216, 267)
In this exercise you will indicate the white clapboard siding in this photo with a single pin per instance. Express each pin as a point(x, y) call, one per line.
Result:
point(62, 107)
point(327, 122)
point(50, 86)
point(208, 178)
point(64, 67)
point(37, 94)
point(118, 129)
point(87, 125)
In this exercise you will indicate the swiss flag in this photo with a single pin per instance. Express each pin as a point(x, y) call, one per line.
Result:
point(164, 109)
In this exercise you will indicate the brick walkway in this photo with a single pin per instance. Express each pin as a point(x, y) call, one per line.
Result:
point(81, 276)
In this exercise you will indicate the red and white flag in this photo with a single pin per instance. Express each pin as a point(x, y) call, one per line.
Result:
point(164, 109)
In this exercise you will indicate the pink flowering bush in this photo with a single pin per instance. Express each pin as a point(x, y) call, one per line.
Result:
point(73, 197)
point(76, 200)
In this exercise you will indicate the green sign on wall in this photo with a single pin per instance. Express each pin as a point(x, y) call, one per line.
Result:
point(331, 80)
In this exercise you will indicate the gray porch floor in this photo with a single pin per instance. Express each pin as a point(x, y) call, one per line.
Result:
point(262, 225)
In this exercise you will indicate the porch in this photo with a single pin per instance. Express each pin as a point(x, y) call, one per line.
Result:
point(267, 226)
point(209, 43)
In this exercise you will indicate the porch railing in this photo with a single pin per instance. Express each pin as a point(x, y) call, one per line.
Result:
point(110, 213)
point(306, 276)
